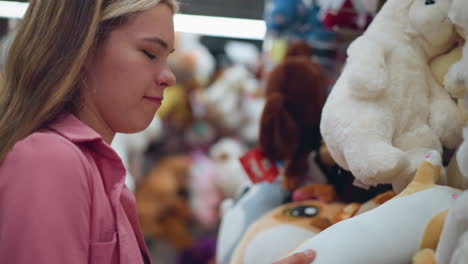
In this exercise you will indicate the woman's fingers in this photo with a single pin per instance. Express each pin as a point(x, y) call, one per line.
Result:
point(304, 257)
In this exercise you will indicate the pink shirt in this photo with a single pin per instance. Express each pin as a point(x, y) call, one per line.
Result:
point(63, 200)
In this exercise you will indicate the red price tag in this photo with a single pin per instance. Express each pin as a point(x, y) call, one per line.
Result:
point(258, 167)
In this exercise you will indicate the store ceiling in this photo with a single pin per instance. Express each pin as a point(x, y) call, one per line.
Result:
point(252, 9)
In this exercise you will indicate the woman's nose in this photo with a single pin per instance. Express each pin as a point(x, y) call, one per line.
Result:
point(167, 78)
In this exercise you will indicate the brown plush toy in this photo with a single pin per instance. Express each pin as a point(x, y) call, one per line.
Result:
point(289, 129)
point(162, 209)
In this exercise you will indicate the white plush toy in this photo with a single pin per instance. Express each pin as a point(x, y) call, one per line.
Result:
point(232, 177)
point(453, 243)
point(386, 110)
point(225, 96)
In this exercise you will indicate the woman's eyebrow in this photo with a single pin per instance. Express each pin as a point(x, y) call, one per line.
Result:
point(158, 41)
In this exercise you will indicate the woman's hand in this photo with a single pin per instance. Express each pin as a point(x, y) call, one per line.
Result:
point(299, 258)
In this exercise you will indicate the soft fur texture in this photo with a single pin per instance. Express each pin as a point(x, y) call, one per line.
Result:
point(232, 177)
point(289, 126)
point(386, 110)
point(456, 80)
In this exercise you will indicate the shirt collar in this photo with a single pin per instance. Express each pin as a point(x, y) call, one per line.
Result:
point(74, 130)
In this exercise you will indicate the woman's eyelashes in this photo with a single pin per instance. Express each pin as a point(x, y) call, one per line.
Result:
point(150, 55)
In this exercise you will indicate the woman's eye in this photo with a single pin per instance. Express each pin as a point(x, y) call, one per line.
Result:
point(430, 2)
point(149, 55)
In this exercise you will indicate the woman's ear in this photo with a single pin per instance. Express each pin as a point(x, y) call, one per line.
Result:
point(279, 133)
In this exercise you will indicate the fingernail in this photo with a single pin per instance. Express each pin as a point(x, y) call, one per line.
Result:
point(309, 253)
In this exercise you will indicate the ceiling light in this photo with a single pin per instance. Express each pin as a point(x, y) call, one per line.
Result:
point(202, 25)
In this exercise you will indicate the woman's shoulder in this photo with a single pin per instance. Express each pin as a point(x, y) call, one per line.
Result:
point(46, 149)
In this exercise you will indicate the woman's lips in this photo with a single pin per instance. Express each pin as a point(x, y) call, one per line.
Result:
point(154, 99)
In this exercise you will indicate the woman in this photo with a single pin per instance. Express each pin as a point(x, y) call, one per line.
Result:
point(77, 73)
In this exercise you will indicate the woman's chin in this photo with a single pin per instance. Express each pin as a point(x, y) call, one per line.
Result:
point(135, 127)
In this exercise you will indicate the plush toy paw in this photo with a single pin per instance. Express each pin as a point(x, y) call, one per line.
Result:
point(425, 256)
point(456, 80)
point(376, 162)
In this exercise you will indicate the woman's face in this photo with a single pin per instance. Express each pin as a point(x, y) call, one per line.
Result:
point(127, 74)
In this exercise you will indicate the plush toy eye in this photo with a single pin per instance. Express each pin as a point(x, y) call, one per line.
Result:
point(302, 211)
point(430, 2)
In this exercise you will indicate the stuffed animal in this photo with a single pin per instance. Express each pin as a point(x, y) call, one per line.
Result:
point(162, 205)
point(348, 14)
point(294, 20)
point(239, 214)
point(440, 67)
point(205, 195)
point(456, 80)
point(452, 245)
point(392, 232)
point(314, 209)
point(224, 98)
point(232, 178)
point(386, 111)
point(289, 127)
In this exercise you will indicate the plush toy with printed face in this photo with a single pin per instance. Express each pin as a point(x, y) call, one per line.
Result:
point(314, 208)
point(386, 110)
point(392, 232)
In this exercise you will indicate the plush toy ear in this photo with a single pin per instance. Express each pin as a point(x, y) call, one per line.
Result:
point(279, 133)
point(295, 172)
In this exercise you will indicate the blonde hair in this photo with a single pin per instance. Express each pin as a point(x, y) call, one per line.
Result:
point(46, 59)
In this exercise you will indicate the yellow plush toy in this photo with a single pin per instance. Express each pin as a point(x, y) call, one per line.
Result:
point(440, 67)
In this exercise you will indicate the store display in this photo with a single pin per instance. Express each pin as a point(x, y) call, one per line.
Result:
point(341, 131)
point(299, 20)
